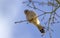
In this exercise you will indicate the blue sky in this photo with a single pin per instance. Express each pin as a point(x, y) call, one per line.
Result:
point(13, 10)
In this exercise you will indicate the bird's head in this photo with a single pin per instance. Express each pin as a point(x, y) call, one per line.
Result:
point(26, 11)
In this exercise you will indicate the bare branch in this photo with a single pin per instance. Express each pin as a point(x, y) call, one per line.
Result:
point(20, 21)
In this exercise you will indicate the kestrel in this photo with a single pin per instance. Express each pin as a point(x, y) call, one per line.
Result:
point(32, 18)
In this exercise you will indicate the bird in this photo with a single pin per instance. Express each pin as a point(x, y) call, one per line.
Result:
point(32, 18)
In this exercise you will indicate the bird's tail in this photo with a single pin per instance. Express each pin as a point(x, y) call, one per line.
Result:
point(41, 28)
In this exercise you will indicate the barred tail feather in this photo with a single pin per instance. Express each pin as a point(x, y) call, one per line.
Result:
point(41, 29)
